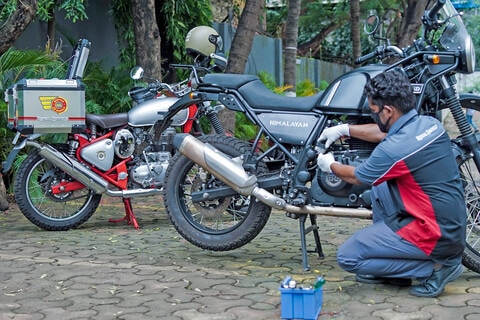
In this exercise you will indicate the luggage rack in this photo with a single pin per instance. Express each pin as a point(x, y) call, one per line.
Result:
point(78, 60)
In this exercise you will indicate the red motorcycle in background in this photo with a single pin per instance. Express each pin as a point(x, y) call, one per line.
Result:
point(59, 186)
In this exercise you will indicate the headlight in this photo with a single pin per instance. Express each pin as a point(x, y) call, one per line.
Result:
point(468, 57)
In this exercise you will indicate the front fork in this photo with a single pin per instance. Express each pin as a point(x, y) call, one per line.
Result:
point(467, 136)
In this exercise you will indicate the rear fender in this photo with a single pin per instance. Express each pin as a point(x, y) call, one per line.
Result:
point(7, 164)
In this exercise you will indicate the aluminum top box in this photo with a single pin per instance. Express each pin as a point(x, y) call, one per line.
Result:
point(46, 106)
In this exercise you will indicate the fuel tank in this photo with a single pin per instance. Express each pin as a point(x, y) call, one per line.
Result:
point(345, 94)
point(146, 113)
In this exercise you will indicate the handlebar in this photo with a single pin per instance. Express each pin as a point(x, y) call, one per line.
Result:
point(135, 91)
point(366, 57)
point(218, 57)
point(149, 91)
point(381, 52)
point(432, 14)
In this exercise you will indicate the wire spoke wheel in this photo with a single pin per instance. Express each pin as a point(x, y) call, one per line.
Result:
point(470, 176)
point(51, 210)
point(220, 223)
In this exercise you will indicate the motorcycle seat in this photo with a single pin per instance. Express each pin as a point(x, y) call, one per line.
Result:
point(226, 80)
point(258, 95)
point(107, 120)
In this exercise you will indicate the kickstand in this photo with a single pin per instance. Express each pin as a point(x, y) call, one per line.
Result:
point(129, 215)
point(303, 232)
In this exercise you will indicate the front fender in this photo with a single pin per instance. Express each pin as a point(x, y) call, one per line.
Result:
point(470, 101)
point(467, 100)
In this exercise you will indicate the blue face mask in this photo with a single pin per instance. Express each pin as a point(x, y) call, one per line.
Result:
point(376, 118)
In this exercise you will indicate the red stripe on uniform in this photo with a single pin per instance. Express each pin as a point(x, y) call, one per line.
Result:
point(424, 231)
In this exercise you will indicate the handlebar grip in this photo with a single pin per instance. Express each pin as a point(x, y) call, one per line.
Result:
point(134, 91)
point(432, 14)
point(366, 57)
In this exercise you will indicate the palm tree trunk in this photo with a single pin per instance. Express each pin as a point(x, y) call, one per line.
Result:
point(147, 38)
point(355, 28)
point(290, 50)
point(240, 49)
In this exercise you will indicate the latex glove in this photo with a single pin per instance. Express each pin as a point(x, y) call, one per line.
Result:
point(324, 161)
point(333, 133)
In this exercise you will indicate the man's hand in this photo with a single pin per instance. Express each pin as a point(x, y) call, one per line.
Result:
point(333, 133)
point(324, 162)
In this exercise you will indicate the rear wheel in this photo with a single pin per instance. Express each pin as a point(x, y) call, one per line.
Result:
point(34, 181)
point(218, 224)
point(470, 176)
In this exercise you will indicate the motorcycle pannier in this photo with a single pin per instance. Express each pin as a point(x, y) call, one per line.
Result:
point(46, 106)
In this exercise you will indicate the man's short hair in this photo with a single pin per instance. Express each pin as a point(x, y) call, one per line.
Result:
point(391, 88)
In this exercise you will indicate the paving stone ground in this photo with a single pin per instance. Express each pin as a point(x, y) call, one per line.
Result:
point(112, 271)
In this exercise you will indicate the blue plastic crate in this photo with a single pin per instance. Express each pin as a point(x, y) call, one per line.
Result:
point(300, 303)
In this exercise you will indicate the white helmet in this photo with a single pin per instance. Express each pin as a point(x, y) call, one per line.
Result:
point(203, 41)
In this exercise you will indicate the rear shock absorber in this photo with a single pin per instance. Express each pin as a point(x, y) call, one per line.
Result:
point(215, 122)
point(73, 145)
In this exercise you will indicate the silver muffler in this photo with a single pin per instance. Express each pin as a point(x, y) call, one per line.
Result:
point(84, 175)
point(216, 162)
point(72, 167)
point(231, 172)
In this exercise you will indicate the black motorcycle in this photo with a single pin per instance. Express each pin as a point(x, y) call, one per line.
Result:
point(219, 191)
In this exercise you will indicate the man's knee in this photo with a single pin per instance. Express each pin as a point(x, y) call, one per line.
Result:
point(346, 259)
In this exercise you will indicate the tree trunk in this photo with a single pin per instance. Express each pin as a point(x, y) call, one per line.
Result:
point(51, 31)
point(290, 49)
point(312, 47)
point(241, 46)
point(3, 195)
point(147, 38)
point(411, 22)
point(355, 28)
point(17, 23)
point(243, 40)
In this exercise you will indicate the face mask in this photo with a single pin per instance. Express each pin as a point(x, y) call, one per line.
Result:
point(376, 118)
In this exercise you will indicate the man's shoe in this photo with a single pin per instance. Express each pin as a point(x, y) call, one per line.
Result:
point(371, 279)
point(435, 284)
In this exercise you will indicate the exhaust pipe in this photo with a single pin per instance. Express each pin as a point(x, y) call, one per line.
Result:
point(134, 193)
point(87, 177)
point(231, 172)
point(71, 167)
point(223, 167)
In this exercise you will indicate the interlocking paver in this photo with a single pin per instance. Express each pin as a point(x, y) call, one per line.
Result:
point(112, 271)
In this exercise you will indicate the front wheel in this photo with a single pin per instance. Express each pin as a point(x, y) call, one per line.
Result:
point(470, 176)
point(218, 225)
point(51, 211)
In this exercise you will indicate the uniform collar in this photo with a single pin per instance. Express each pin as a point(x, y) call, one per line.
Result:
point(407, 117)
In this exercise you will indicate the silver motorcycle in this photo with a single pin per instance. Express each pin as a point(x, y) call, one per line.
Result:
point(59, 185)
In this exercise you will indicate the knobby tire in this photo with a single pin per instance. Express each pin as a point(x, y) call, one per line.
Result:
point(217, 225)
